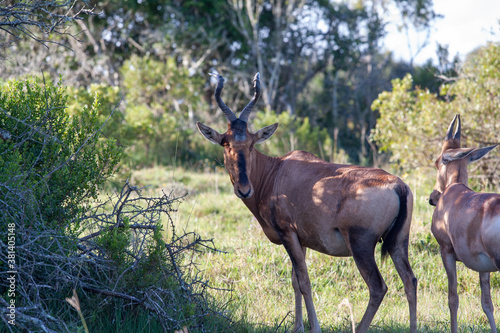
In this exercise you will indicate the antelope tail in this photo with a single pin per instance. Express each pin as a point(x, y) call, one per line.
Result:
point(390, 240)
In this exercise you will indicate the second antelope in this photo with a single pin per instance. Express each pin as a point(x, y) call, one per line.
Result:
point(466, 224)
point(304, 202)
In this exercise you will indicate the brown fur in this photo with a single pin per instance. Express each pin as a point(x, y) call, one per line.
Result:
point(466, 224)
point(304, 202)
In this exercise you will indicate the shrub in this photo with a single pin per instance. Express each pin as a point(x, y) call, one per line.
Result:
point(294, 133)
point(51, 164)
point(54, 158)
point(413, 122)
point(122, 255)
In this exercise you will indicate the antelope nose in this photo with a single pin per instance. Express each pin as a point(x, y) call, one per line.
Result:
point(244, 195)
point(434, 198)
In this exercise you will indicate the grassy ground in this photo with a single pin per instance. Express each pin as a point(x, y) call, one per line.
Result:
point(258, 272)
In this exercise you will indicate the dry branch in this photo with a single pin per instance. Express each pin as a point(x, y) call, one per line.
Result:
point(50, 261)
point(39, 19)
point(121, 252)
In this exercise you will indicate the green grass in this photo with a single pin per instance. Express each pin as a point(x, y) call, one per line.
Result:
point(258, 272)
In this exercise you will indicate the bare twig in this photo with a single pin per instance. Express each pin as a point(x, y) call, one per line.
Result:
point(27, 18)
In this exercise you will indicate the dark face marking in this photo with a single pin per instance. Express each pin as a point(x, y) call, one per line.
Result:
point(239, 129)
point(237, 145)
point(242, 167)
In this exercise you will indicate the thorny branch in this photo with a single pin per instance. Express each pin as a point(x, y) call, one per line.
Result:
point(89, 267)
point(150, 214)
point(151, 270)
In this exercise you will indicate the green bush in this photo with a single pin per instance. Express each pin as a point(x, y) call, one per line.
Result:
point(109, 97)
point(161, 100)
point(413, 122)
point(294, 133)
point(59, 159)
point(121, 255)
point(51, 165)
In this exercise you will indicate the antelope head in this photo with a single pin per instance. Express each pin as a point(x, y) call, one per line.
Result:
point(452, 163)
point(238, 141)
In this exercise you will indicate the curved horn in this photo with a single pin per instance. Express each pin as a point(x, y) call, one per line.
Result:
point(227, 111)
point(450, 128)
point(248, 109)
point(457, 132)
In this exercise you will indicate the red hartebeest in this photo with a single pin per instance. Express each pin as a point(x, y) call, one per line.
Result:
point(466, 224)
point(304, 202)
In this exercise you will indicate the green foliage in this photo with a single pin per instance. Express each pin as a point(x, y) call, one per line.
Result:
point(114, 243)
point(61, 159)
point(52, 165)
point(294, 133)
point(413, 122)
point(431, 77)
point(159, 113)
point(108, 97)
point(410, 122)
point(155, 122)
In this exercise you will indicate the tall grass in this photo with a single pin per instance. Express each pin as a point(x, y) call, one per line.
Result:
point(258, 273)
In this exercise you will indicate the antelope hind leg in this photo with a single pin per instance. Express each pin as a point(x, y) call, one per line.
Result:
point(400, 258)
point(363, 252)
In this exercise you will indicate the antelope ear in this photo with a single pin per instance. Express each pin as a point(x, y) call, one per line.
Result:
point(265, 133)
point(456, 154)
point(209, 133)
point(480, 152)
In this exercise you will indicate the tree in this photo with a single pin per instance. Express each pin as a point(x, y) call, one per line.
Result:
point(38, 20)
point(412, 121)
point(417, 15)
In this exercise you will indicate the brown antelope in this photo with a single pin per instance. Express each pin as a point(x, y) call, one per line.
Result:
point(304, 202)
point(466, 224)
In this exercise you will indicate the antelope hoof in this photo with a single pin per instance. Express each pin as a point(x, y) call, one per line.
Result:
point(298, 329)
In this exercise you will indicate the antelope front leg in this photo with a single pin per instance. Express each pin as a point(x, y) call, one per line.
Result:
point(450, 265)
point(299, 321)
point(302, 284)
point(484, 279)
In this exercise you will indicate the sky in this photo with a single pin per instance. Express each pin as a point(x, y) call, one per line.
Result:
point(466, 25)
